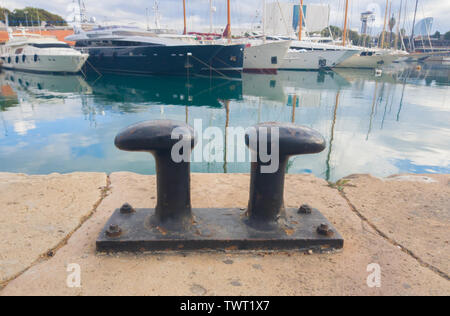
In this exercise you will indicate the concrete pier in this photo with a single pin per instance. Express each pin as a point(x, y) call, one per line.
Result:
point(401, 223)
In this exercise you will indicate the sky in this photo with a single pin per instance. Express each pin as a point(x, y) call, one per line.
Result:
point(244, 12)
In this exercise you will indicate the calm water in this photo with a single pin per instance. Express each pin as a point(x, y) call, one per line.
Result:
point(396, 123)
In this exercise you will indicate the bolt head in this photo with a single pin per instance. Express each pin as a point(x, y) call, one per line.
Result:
point(114, 231)
point(305, 209)
point(324, 230)
point(127, 209)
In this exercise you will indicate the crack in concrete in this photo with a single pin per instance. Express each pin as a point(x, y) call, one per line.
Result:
point(52, 252)
point(391, 241)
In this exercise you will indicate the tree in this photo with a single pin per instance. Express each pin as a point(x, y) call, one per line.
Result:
point(336, 32)
point(447, 36)
point(31, 16)
point(437, 35)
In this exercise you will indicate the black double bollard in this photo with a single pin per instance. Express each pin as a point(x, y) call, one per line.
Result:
point(174, 225)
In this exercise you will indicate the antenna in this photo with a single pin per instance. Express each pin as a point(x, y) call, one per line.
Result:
point(157, 16)
point(83, 15)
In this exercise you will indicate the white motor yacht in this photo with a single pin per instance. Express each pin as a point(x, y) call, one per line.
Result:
point(34, 52)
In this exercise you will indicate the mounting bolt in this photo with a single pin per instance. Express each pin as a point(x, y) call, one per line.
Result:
point(305, 209)
point(127, 209)
point(114, 231)
point(324, 230)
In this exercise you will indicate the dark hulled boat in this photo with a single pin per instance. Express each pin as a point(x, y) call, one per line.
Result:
point(127, 50)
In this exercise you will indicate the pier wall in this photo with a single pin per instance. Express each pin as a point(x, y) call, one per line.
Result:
point(401, 224)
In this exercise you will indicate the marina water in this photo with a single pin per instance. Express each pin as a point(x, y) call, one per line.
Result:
point(398, 122)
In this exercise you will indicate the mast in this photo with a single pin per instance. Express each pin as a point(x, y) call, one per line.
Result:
point(210, 16)
point(264, 20)
point(229, 21)
point(157, 17)
point(300, 22)
point(184, 15)
point(384, 27)
point(412, 45)
point(398, 25)
point(390, 29)
point(344, 34)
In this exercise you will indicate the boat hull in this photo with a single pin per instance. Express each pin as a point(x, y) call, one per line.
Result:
point(45, 63)
point(313, 59)
point(368, 62)
point(172, 60)
point(265, 58)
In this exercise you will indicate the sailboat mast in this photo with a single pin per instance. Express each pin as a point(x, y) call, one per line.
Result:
point(384, 27)
point(412, 45)
point(184, 15)
point(264, 20)
point(229, 20)
point(397, 36)
point(344, 34)
point(210, 16)
point(300, 21)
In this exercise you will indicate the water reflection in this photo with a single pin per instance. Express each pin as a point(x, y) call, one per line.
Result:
point(393, 123)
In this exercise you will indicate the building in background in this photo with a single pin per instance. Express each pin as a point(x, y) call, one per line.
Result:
point(368, 19)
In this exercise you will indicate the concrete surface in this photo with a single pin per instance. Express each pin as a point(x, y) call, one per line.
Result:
point(412, 211)
point(406, 268)
point(39, 212)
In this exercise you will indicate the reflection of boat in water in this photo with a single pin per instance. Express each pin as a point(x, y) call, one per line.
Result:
point(45, 84)
point(281, 88)
point(312, 80)
point(268, 87)
point(196, 91)
point(353, 75)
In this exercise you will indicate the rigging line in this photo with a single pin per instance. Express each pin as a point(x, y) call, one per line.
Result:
point(210, 68)
point(211, 89)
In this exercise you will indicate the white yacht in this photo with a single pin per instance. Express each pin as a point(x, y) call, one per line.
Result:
point(265, 57)
point(37, 53)
point(372, 58)
point(304, 55)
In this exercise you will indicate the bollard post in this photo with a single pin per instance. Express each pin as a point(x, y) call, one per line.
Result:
point(266, 204)
point(173, 209)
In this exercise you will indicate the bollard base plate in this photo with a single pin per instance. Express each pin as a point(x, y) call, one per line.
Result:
point(218, 229)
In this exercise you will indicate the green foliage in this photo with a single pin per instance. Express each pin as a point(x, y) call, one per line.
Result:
point(354, 37)
point(447, 36)
point(30, 15)
point(340, 185)
point(336, 32)
point(437, 35)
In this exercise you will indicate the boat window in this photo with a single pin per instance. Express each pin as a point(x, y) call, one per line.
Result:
point(24, 58)
point(274, 60)
point(36, 58)
point(52, 45)
point(17, 59)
